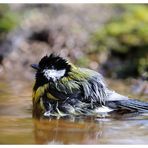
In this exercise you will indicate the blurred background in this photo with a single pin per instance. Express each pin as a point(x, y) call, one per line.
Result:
point(109, 38)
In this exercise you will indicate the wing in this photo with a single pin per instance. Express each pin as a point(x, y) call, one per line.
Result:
point(94, 86)
point(82, 84)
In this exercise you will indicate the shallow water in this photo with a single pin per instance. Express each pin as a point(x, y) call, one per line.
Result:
point(18, 127)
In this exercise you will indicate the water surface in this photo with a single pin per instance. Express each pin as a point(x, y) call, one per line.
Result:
point(18, 127)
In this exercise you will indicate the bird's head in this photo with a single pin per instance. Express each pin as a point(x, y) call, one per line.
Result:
point(51, 68)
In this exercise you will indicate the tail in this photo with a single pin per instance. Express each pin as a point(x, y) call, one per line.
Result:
point(129, 105)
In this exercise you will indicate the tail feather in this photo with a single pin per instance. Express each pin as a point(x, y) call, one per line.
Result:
point(130, 104)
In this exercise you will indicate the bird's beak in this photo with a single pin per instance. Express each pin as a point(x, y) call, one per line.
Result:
point(35, 66)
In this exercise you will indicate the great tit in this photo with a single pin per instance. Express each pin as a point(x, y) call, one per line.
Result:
point(63, 89)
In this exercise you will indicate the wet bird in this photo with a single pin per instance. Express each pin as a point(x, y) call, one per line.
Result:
point(63, 89)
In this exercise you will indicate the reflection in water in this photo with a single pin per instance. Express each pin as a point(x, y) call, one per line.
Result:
point(59, 131)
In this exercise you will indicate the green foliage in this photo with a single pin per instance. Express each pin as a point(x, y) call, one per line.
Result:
point(126, 35)
point(83, 61)
point(8, 20)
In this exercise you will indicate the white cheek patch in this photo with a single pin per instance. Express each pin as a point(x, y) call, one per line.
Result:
point(54, 74)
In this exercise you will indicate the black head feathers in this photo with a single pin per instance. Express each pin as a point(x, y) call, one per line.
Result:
point(54, 62)
point(49, 62)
